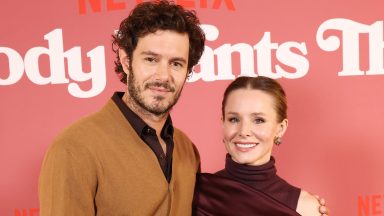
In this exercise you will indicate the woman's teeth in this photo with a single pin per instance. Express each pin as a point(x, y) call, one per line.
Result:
point(245, 145)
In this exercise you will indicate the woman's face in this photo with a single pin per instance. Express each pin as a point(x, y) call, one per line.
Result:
point(250, 126)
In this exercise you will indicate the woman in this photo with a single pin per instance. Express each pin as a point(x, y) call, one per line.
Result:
point(254, 116)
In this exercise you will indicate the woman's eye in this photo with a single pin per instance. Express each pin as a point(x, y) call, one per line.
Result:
point(233, 120)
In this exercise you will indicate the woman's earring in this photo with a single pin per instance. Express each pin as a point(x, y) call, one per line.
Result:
point(277, 140)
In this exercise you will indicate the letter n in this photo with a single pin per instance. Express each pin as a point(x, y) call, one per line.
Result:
point(95, 5)
point(363, 206)
point(21, 213)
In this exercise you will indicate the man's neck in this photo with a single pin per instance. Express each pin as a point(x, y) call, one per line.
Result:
point(154, 121)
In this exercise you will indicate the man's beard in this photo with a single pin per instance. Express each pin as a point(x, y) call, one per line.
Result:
point(156, 109)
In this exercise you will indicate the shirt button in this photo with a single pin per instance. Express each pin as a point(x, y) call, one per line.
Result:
point(148, 130)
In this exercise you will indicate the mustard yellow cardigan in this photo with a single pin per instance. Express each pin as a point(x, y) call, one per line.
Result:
point(100, 166)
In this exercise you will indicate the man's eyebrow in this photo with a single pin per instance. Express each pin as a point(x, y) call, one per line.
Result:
point(149, 53)
point(181, 59)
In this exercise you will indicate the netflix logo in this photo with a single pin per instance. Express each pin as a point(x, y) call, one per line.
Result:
point(87, 6)
point(371, 205)
point(27, 212)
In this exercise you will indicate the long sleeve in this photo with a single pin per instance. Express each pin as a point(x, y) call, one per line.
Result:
point(68, 182)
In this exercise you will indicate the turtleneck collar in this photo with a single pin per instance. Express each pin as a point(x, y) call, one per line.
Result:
point(248, 173)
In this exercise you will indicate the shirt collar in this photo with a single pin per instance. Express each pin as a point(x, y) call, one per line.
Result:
point(136, 122)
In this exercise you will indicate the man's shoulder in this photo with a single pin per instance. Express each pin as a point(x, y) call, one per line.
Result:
point(82, 125)
point(184, 144)
point(82, 131)
point(180, 133)
point(181, 138)
point(93, 121)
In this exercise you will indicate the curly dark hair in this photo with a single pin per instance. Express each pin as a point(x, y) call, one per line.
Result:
point(148, 17)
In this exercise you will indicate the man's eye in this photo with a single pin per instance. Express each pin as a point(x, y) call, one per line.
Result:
point(259, 120)
point(150, 59)
point(177, 65)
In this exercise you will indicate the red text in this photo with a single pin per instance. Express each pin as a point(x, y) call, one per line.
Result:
point(27, 212)
point(112, 5)
point(370, 205)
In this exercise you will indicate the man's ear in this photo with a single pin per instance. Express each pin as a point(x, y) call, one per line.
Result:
point(124, 60)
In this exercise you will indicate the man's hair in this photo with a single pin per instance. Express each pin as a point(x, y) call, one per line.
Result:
point(149, 17)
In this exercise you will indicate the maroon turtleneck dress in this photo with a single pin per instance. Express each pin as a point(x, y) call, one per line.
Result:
point(242, 190)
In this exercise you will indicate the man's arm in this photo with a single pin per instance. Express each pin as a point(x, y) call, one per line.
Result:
point(310, 204)
point(323, 210)
point(67, 183)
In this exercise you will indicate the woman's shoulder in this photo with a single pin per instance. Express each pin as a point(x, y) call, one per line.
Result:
point(308, 204)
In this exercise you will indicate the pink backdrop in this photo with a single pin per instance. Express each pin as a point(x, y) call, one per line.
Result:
point(56, 65)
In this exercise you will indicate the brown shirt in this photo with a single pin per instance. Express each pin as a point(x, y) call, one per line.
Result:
point(100, 166)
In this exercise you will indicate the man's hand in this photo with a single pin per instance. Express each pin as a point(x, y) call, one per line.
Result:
point(322, 208)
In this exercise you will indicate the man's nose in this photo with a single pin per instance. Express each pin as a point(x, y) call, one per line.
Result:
point(163, 71)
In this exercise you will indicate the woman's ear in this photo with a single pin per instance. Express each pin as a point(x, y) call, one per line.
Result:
point(283, 127)
point(124, 60)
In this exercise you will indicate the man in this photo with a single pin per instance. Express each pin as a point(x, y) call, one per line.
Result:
point(128, 159)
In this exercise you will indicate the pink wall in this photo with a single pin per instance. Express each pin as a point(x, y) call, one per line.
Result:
point(327, 54)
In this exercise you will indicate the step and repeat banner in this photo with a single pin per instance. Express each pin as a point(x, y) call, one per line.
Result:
point(56, 65)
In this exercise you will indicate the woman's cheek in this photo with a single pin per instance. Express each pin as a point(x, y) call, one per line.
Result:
point(229, 132)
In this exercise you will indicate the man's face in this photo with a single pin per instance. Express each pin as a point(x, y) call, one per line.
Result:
point(158, 70)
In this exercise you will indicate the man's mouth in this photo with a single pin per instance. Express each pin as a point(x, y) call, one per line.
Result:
point(160, 87)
